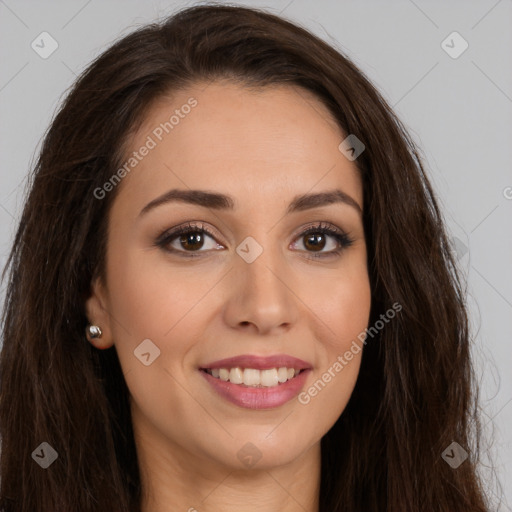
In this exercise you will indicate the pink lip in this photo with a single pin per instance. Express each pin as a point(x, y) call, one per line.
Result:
point(258, 398)
point(259, 362)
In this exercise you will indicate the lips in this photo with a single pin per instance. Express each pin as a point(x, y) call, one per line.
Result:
point(263, 396)
point(259, 362)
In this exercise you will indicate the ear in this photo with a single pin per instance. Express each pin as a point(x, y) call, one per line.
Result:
point(96, 310)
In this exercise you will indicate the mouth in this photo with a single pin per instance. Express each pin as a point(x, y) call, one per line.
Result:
point(253, 377)
point(255, 382)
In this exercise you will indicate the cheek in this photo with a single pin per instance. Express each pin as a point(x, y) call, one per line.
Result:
point(342, 307)
point(150, 300)
point(326, 394)
point(340, 325)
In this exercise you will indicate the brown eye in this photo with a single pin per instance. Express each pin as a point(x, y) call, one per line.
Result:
point(192, 241)
point(323, 241)
point(314, 241)
point(188, 240)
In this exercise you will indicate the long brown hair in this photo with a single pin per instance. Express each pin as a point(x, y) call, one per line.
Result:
point(415, 394)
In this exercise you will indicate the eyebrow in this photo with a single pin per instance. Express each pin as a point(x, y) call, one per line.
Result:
point(217, 201)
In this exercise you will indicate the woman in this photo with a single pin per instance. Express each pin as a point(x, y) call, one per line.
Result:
point(273, 317)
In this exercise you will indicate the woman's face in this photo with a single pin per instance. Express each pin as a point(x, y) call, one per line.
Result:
point(250, 286)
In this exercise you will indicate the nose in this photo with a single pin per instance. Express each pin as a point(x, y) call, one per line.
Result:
point(261, 297)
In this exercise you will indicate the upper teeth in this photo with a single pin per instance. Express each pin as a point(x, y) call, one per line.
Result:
point(253, 377)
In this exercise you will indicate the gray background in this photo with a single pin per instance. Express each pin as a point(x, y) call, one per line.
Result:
point(459, 110)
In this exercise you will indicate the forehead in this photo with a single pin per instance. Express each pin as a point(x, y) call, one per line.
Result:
point(247, 142)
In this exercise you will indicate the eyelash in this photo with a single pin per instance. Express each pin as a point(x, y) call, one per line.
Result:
point(324, 228)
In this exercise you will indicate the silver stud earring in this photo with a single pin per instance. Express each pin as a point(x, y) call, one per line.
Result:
point(93, 332)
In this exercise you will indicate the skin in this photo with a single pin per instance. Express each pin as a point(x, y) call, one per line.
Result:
point(262, 147)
